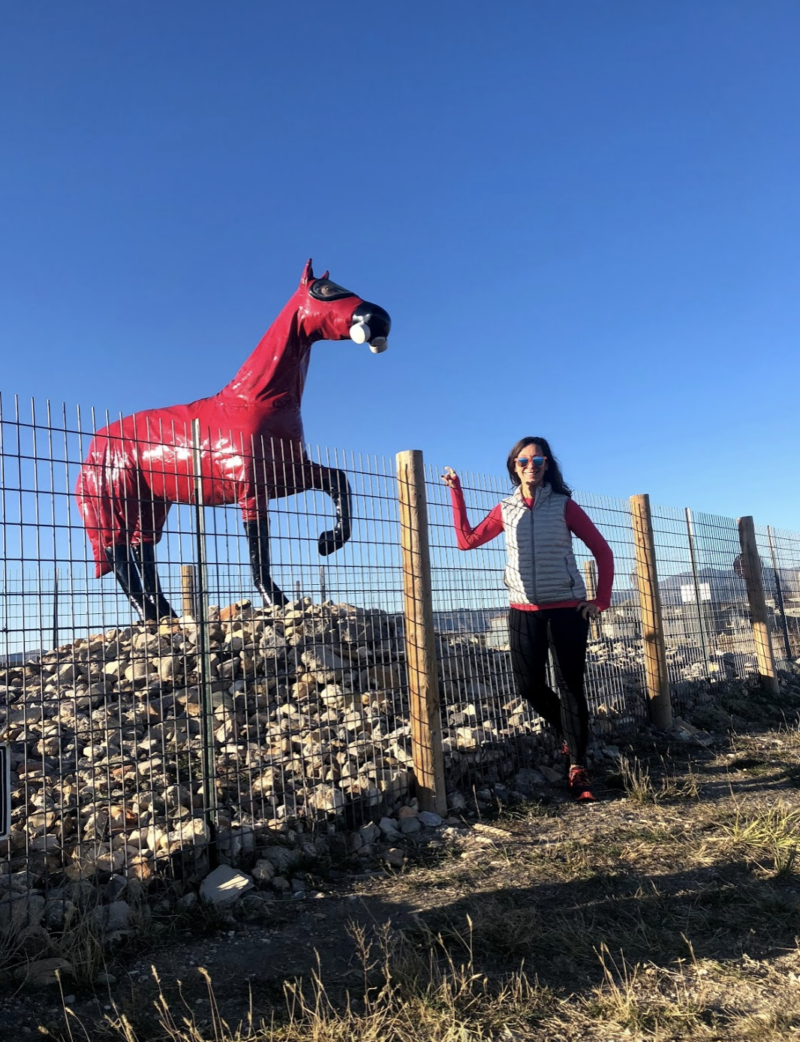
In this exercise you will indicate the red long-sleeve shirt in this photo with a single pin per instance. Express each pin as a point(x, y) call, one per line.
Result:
point(578, 522)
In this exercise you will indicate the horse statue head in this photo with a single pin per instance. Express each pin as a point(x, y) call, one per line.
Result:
point(328, 311)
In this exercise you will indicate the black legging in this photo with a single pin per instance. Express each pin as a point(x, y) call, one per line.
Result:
point(565, 631)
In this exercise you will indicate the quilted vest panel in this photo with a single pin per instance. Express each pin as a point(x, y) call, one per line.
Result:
point(541, 566)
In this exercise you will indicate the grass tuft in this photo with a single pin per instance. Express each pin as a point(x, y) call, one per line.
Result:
point(646, 998)
point(642, 788)
point(768, 837)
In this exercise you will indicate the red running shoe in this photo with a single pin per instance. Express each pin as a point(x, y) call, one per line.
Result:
point(580, 788)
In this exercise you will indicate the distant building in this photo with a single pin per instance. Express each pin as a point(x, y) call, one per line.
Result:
point(496, 636)
point(621, 622)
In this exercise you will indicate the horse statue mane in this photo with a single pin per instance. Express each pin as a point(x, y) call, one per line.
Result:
point(251, 449)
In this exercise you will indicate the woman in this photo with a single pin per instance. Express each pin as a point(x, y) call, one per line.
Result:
point(548, 610)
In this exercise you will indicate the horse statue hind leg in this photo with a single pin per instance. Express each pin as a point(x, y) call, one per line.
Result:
point(123, 522)
point(134, 568)
point(134, 560)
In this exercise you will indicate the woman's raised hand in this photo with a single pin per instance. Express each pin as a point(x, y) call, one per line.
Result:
point(450, 478)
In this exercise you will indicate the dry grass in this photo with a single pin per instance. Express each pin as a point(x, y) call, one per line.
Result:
point(766, 837)
point(80, 944)
point(405, 997)
point(641, 787)
point(647, 999)
point(408, 995)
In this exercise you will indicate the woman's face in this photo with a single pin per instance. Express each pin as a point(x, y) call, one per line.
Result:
point(530, 476)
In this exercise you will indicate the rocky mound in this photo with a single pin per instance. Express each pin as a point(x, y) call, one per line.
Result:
point(309, 721)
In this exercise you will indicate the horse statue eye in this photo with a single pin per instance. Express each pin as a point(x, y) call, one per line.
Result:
point(324, 289)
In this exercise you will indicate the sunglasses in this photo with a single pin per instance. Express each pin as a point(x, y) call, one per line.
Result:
point(537, 461)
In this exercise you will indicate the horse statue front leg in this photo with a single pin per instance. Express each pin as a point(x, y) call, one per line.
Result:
point(335, 483)
point(311, 476)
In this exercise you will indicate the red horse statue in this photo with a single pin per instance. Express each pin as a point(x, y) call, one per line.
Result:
point(251, 448)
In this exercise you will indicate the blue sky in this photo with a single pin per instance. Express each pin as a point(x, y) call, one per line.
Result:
point(582, 217)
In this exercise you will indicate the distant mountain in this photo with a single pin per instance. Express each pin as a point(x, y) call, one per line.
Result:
point(466, 620)
point(724, 585)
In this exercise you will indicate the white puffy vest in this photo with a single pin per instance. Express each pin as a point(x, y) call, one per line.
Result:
point(541, 566)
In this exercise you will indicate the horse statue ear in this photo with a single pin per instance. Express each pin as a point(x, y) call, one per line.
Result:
point(308, 274)
point(326, 274)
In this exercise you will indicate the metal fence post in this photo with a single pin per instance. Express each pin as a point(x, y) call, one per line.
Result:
point(590, 581)
point(787, 647)
point(55, 609)
point(751, 570)
point(696, 579)
point(204, 648)
point(423, 678)
point(655, 654)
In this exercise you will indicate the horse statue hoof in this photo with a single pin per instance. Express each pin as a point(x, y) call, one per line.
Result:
point(328, 543)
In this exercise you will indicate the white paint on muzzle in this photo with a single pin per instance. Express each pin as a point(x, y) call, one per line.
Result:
point(360, 332)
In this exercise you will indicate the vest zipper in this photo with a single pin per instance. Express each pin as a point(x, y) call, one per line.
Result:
point(533, 549)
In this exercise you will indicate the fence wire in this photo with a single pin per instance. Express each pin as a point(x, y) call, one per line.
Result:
point(136, 746)
point(780, 571)
point(615, 674)
point(703, 596)
point(489, 731)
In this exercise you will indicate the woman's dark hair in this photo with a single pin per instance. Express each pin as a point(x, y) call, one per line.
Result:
point(553, 476)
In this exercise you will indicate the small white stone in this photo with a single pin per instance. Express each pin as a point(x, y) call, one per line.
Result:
point(224, 886)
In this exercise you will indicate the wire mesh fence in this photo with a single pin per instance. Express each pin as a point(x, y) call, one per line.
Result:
point(135, 742)
point(485, 726)
point(141, 736)
point(489, 731)
point(703, 596)
point(780, 560)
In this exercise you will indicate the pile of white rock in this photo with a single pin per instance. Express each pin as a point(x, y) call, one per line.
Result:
point(41, 927)
point(112, 768)
point(117, 769)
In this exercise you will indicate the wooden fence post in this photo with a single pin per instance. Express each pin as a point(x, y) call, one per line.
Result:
point(188, 585)
point(655, 654)
point(751, 572)
point(590, 581)
point(423, 678)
